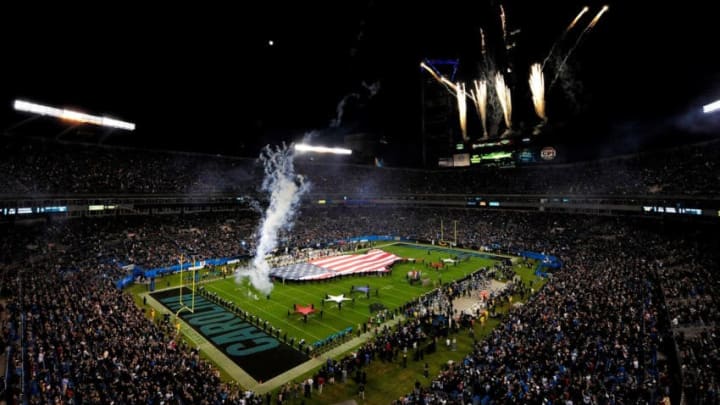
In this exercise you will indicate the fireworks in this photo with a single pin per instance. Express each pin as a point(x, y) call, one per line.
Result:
point(431, 71)
point(450, 85)
point(441, 79)
point(577, 42)
point(479, 96)
point(564, 34)
point(482, 42)
point(503, 24)
point(462, 109)
point(537, 87)
point(597, 17)
point(577, 18)
point(493, 72)
point(503, 92)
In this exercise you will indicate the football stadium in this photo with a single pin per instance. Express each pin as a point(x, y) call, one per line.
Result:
point(497, 203)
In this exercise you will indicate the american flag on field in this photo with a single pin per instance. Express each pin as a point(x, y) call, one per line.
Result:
point(373, 261)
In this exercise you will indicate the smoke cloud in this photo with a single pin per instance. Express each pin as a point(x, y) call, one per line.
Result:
point(340, 110)
point(285, 189)
point(372, 88)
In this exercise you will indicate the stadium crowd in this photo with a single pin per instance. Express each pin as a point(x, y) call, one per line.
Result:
point(590, 336)
point(596, 333)
point(633, 312)
point(50, 168)
point(158, 241)
point(691, 288)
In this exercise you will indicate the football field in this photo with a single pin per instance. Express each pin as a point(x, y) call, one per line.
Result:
point(390, 291)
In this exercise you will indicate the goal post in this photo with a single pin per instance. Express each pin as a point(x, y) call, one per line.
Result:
point(181, 301)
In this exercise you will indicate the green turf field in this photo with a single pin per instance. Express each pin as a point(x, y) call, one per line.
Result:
point(391, 291)
point(386, 381)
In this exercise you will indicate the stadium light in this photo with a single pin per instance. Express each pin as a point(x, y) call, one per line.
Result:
point(714, 106)
point(71, 115)
point(302, 147)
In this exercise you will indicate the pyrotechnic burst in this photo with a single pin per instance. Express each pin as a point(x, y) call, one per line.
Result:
point(597, 17)
point(577, 42)
point(450, 86)
point(462, 109)
point(503, 24)
point(564, 34)
point(503, 92)
point(431, 71)
point(537, 87)
point(479, 92)
point(479, 96)
point(482, 42)
point(577, 18)
point(441, 79)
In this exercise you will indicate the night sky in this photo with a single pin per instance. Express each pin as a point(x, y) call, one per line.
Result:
point(206, 78)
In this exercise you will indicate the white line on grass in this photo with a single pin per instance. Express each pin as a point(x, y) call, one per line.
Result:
point(307, 293)
point(327, 326)
point(272, 315)
point(384, 297)
point(275, 303)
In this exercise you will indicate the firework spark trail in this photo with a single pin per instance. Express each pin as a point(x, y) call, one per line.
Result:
point(597, 17)
point(537, 88)
point(462, 109)
point(479, 96)
point(482, 42)
point(503, 23)
point(285, 188)
point(450, 86)
point(503, 92)
point(564, 34)
point(488, 64)
point(577, 18)
point(431, 71)
point(577, 42)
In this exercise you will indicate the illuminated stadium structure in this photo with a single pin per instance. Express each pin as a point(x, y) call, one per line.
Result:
point(514, 259)
point(70, 115)
point(349, 207)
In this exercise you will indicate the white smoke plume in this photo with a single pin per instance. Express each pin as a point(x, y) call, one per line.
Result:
point(285, 189)
point(372, 88)
point(337, 121)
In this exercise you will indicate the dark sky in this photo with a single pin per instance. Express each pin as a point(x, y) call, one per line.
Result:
point(205, 78)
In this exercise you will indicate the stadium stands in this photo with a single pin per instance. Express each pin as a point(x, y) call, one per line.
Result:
point(50, 168)
point(631, 317)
